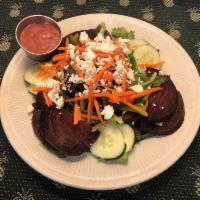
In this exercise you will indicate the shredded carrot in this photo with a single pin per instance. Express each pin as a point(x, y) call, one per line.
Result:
point(102, 54)
point(112, 97)
point(59, 65)
point(136, 108)
point(40, 73)
point(77, 99)
point(144, 93)
point(125, 93)
point(108, 76)
point(90, 103)
point(124, 84)
point(98, 76)
point(77, 113)
point(92, 117)
point(126, 65)
point(46, 69)
point(153, 65)
point(48, 101)
point(41, 89)
point(96, 105)
point(118, 52)
point(80, 48)
point(110, 89)
point(59, 57)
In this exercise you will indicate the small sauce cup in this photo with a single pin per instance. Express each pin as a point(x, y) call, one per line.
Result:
point(29, 22)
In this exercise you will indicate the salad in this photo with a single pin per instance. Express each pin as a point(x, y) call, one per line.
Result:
point(102, 93)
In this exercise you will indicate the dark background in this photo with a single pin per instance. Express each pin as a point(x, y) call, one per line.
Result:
point(179, 18)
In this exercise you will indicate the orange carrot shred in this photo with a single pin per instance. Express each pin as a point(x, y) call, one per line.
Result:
point(96, 105)
point(90, 103)
point(41, 89)
point(136, 108)
point(144, 93)
point(77, 113)
point(48, 101)
point(46, 69)
point(98, 76)
point(59, 57)
point(108, 76)
point(102, 54)
point(77, 99)
point(92, 117)
point(153, 65)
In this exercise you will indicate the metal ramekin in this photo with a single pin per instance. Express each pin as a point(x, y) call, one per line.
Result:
point(36, 19)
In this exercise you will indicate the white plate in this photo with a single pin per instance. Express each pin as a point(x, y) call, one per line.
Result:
point(149, 158)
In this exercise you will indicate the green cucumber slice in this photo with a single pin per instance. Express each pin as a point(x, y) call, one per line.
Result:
point(30, 75)
point(129, 136)
point(146, 54)
point(133, 44)
point(110, 144)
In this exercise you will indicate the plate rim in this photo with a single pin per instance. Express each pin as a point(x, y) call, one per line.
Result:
point(95, 186)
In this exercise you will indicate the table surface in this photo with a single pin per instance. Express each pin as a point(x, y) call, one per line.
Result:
point(181, 20)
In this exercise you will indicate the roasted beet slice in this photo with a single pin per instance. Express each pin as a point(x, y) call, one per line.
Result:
point(67, 138)
point(170, 125)
point(163, 103)
point(55, 127)
point(39, 105)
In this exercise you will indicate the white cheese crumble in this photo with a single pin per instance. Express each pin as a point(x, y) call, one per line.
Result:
point(99, 37)
point(50, 83)
point(66, 66)
point(102, 82)
point(130, 75)
point(60, 74)
point(104, 47)
point(83, 37)
point(71, 49)
point(120, 72)
point(88, 54)
point(56, 98)
point(161, 72)
point(107, 112)
point(88, 69)
point(85, 92)
point(30, 108)
point(74, 78)
point(137, 88)
point(122, 44)
point(119, 89)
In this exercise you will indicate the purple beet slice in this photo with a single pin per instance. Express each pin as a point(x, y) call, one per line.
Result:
point(55, 127)
point(163, 103)
point(170, 125)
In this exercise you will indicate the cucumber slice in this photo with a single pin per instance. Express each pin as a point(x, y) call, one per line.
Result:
point(133, 44)
point(30, 75)
point(129, 136)
point(110, 144)
point(146, 54)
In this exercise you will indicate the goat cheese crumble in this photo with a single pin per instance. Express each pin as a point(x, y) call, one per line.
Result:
point(108, 112)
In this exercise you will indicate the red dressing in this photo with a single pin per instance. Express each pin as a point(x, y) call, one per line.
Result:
point(40, 37)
